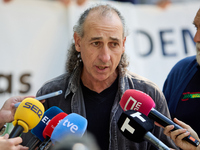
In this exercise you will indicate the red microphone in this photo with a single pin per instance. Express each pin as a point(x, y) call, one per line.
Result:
point(49, 129)
point(52, 124)
point(137, 100)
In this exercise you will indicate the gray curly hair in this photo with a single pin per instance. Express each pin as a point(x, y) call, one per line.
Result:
point(74, 57)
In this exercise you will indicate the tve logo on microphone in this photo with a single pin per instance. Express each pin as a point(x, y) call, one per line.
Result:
point(34, 108)
point(72, 126)
point(132, 104)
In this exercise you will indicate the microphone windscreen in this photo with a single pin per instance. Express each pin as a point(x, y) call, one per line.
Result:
point(137, 100)
point(48, 115)
point(28, 114)
point(134, 125)
point(52, 124)
point(73, 124)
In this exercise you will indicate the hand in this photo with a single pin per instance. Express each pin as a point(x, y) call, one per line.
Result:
point(163, 3)
point(178, 135)
point(8, 109)
point(11, 144)
point(67, 2)
point(80, 2)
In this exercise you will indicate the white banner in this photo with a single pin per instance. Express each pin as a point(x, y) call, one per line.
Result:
point(35, 35)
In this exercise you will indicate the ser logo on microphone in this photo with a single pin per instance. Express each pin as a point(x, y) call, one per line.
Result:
point(132, 104)
point(34, 108)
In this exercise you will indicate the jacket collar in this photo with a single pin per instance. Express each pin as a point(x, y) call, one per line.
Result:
point(74, 81)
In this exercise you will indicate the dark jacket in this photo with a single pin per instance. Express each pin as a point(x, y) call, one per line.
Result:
point(72, 101)
point(177, 80)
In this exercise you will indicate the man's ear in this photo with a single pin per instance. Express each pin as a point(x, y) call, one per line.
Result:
point(77, 41)
point(124, 41)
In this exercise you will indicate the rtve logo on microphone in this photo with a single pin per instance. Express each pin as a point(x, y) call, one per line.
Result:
point(73, 127)
point(132, 104)
point(53, 126)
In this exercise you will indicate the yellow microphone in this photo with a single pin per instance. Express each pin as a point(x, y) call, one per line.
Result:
point(27, 116)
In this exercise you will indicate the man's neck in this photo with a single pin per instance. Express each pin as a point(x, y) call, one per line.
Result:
point(99, 86)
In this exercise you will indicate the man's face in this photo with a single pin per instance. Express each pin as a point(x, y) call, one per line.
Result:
point(197, 35)
point(101, 46)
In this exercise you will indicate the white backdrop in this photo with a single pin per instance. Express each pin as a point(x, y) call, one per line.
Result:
point(35, 35)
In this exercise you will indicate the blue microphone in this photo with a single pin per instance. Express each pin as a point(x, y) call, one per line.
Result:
point(38, 130)
point(71, 125)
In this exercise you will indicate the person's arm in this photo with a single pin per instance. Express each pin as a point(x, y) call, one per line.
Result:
point(8, 109)
point(178, 135)
point(11, 144)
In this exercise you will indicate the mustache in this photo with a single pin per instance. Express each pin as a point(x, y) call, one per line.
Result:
point(104, 64)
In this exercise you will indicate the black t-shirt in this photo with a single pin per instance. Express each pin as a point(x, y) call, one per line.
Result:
point(98, 107)
point(188, 108)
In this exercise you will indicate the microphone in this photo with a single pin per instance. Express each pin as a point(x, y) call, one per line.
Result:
point(37, 131)
point(49, 129)
point(44, 96)
point(52, 124)
point(27, 116)
point(135, 126)
point(71, 125)
point(142, 102)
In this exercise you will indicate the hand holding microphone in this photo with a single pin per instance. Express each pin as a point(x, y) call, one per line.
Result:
point(137, 100)
point(178, 135)
point(136, 127)
point(27, 116)
point(11, 144)
point(7, 111)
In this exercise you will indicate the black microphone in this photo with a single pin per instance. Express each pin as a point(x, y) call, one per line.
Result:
point(135, 126)
point(140, 101)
